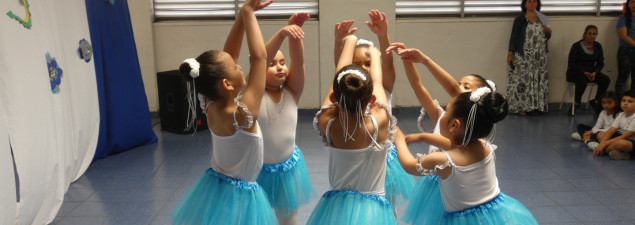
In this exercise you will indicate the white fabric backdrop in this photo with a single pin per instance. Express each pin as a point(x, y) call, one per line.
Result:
point(53, 136)
point(7, 186)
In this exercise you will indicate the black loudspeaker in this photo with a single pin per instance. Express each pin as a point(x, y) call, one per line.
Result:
point(173, 106)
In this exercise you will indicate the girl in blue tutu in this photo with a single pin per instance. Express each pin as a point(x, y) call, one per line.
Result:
point(426, 190)
point(227, 193)
point(399, 184)
point(284, 176)
point(356, 128)
point(466, 171)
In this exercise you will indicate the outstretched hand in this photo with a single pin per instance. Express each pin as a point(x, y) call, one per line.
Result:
point(298, 18)
point(407, 54)
point(377, 23)
point(293, 31)
point(256, 5)
point(343, 29)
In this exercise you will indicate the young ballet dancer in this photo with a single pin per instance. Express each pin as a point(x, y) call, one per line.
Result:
point(466, 170)
point(453, 87)
point(427, 188)
point(610, 109)
point(398, 183)
point(284, 175)
point(619, 140)
point(227, 193)
point(356, 129)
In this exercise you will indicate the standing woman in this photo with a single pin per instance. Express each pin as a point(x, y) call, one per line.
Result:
point(626, 52)
point(527, 89)
point(586, 60)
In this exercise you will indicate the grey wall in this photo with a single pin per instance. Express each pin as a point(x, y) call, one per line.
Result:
point(461, 46)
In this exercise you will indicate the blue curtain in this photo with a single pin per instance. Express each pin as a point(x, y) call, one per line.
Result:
point(125, 116)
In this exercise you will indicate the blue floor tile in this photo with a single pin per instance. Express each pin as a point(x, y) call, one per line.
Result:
point(558, 179)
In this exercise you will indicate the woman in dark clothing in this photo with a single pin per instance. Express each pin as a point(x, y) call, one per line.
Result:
point(527, 55)
point(626, 51)
point(586, 60)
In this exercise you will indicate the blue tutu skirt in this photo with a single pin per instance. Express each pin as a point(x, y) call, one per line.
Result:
point(426, 204)
point(287, 184)
point(399, 183)
point(221, 200)
point(500, 210)
point(350, 207)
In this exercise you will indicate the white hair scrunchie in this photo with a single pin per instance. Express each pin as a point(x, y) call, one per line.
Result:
point(364, 41)
point(353, 72)
point(491, 84)
point(476, 95)
point(194, 65)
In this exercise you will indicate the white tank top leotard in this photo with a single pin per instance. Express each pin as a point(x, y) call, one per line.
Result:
point(278, 123)
point(471, 185)
point(239, 155)
point(360, 170)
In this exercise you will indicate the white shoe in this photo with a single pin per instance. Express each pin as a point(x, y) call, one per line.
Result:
point(619, 155)
point(592, 145)
point(576, 136)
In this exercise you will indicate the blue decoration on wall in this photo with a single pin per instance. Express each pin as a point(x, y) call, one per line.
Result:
point(55, 73)
point(85, 50)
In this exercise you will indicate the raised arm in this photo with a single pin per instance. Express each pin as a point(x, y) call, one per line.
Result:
point(379, 26)
point(444, 78)
point(255, 88)
point(342, 29)
point(346, 58)
point(234, 40)
point(376, 74)
point(409, 162)
point(424, 97)
point(430, 138)
point(273, 44)
point(296, 77)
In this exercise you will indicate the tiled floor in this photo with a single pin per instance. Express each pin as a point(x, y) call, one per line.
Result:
point(558, 179)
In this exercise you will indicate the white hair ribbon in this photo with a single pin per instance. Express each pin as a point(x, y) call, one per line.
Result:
point(353, 72)
point(194, 65)
point(475, 96)
point(491, 84)
point(364, 41)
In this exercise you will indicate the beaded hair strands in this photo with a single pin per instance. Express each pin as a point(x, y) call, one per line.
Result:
point(359, 117)
point(191, 94)
point(469, 125)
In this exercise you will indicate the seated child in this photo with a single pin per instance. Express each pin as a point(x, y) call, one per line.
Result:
point(618, 141)
point(610, 110)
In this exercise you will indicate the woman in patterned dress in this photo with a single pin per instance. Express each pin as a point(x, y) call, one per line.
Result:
point(527, 57)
